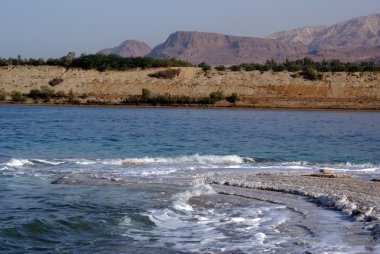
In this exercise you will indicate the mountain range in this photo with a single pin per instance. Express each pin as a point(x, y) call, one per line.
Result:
point(357, 39)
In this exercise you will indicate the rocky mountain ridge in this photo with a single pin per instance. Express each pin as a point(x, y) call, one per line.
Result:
point(354, 33)
point(354, 40)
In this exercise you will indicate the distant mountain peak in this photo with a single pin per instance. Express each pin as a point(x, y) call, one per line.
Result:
point(128, 48)
point(354, 33)
point(303, 35)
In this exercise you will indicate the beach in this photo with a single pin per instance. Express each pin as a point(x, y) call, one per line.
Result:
point(255, 89)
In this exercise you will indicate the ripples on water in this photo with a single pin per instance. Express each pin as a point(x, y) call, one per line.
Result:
point(131, 179)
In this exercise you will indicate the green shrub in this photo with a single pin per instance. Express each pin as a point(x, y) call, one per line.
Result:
point(44, 93)
point(235, 68)
point(60, 94)
point(233, 98)
point(167, 99)
point(310, 73)
point(133, 99)
point(217, 96)
point(99, 102)
point(166, 74)
point(17, 97)
point(220, 68)
point(71, 97)
point(145, 94)
point(35, 94)
point(2, 95)
point(84, 96)
point(205, 67)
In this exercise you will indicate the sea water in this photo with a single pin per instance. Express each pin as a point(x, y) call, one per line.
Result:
point(129, 180)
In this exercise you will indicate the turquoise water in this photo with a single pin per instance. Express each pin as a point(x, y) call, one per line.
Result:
point(129, 174)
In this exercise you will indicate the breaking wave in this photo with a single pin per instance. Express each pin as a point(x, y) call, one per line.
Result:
point(147, 166)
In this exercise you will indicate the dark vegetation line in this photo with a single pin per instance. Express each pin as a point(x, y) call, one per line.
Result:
point(166, 100)
point(114, 62)
point(98, 62)
point(46, 95)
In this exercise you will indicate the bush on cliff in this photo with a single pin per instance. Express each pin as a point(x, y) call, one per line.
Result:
point(217, 96)
point(17, 97)
point(45, 93)
point(2, 95)
point(310, 73)
point(166, 100)
point(205, 67)
point(233, 98)
point(220, 68)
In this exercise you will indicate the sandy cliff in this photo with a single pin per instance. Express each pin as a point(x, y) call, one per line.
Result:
point(264, 90)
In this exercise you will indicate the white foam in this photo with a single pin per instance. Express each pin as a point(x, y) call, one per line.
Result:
point(205, 230)
point(18, 162)
point(47, 162)
point(199, 188)
point(126, 221)
point(238, 219)
point(260, 237)
point(196, 158)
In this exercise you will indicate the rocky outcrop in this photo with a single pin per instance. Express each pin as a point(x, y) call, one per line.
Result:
point(215, 49)
point(129, 48)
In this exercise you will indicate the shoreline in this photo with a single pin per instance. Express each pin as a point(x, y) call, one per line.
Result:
point(236, 107)
point(352, 196)
point(253, 89)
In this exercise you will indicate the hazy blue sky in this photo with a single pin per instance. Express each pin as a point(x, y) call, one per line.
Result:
point(51, 28)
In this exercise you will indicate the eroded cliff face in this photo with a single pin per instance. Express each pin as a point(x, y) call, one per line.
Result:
point(264, 90)
point(215, 49)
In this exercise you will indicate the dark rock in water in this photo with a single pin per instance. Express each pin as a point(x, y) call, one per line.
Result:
point(61, 180)
point(375, 180)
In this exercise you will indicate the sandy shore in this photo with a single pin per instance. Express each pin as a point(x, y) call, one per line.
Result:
point(357, 198)
point(272, 90)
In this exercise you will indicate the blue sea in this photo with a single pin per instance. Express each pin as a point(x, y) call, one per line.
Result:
point(124, 180)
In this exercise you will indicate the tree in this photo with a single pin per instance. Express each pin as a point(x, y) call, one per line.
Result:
point(220, 68)
point(68, 59)
point(17, 97)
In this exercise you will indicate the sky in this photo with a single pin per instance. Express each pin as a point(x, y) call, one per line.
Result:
point(52, 28)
